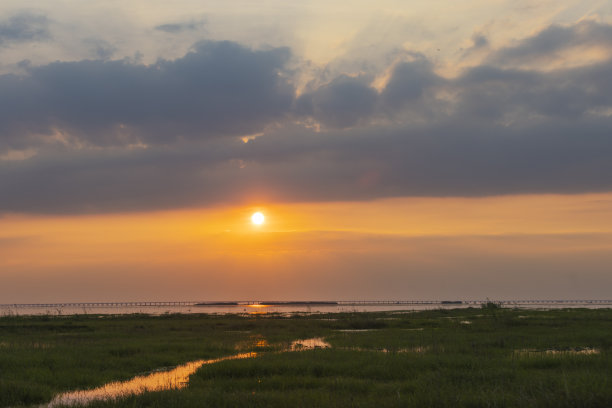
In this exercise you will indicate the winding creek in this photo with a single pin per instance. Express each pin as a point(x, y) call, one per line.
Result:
point(175, 378)
point(178, 377)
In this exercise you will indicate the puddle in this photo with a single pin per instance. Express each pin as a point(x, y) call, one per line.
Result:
point(557, 352)
point(262, 343)
point(253, 342)
point(465, 322)
point(157, 381)
point(417, 329)
point(309, 344)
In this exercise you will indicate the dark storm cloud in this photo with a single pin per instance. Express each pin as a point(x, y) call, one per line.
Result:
point(219, 88)
point(501, 131)
point(24, 27)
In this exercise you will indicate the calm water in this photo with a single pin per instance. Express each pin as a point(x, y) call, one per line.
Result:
point(256, 309)
point(175, 378)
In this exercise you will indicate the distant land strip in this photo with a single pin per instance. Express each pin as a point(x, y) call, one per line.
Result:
point(319, 303)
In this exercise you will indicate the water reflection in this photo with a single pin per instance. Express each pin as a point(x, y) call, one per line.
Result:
point(556, 352)
point(158, 381)
point(254, 342)
point(417, 350)
point(179, 377)
point(309, 344)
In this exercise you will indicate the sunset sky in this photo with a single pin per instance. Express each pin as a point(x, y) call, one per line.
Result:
point(397, 149)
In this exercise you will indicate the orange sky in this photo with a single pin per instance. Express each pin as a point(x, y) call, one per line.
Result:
point(430, 248)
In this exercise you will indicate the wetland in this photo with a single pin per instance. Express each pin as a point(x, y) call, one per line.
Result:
point(434, 358)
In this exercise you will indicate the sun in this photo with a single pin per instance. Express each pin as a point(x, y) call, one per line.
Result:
point(257, 218)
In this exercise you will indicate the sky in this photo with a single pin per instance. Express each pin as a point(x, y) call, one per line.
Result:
point(398, 150)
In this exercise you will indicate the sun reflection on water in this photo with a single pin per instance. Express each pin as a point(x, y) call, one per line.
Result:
point(176, 378)
point(173, 379)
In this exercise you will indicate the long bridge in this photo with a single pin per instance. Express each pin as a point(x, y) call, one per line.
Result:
point(518, 302)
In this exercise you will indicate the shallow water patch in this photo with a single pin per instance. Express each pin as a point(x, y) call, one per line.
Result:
point(572, 351)
point(176, 378)
point(309, 344)
point(254, 341)
point(416, 350)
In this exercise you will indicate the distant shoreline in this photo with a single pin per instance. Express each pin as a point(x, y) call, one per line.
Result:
point(318, 303)
point(282, 307)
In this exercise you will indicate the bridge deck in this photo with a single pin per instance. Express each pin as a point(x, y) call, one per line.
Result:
point(322, 303)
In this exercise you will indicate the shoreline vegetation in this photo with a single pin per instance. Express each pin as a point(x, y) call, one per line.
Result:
point(467, 357)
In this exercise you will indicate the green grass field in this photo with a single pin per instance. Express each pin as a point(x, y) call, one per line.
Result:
point(440, 358)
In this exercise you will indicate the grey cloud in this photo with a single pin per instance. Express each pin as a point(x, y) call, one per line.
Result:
point(449, 159)
point(175, 28)
point(480, 41)
point(341, 103)
point(554, 39)
point(349, 101)
point(518, 95)
point(101, 49)
point(408, 82)
point(24, 27)
point(506, 131)
point(220, 88)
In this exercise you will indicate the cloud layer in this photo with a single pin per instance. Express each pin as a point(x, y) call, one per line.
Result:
point(97, 136)
point(218, 89)
point(24, 27)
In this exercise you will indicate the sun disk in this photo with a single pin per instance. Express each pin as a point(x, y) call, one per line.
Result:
point(257, 218)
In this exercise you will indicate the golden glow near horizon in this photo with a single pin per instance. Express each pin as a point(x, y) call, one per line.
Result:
point(213, 253)
point(257, 218)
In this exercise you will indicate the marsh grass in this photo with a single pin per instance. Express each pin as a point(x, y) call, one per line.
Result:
point(431, 358)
